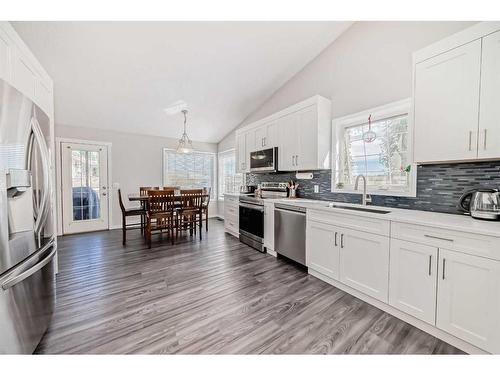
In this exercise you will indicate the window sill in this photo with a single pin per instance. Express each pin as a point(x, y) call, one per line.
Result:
point(387, 193)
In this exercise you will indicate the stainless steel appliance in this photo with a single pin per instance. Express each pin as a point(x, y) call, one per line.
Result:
point(290, 232)
point(248, 189)
point(264, 160)
point(251, 213)
point(27, 240)
point(482, 203)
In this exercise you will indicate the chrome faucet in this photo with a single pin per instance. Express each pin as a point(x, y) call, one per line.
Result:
point(366, 198)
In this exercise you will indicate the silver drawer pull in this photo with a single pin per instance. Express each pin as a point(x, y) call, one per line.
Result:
point(438, 238)
point(430, 264)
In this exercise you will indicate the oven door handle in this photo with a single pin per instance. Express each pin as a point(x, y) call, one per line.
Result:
point(252, 207)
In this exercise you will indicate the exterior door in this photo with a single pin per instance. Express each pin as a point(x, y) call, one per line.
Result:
point(468, 303)
point(85, 191)
point(413, 279)
point(447, 105)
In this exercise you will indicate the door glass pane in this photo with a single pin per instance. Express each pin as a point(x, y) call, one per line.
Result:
point(85, 185)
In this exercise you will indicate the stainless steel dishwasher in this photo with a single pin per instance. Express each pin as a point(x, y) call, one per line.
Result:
point(290, 232)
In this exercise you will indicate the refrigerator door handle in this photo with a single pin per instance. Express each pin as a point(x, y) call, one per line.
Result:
point(42, 210)
point(9, 283)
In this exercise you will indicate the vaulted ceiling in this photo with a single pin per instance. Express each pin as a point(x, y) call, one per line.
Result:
point(121, 75)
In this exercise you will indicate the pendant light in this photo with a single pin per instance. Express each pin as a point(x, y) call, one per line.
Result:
point(185, 145)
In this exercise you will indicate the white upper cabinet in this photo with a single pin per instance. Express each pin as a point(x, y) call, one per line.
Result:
point(20, 68)
point(5, 56)
point(468, 303)
point(447, 104)
point(457, 97)
point(489, 112)
point(301, 133)
point(413, 279)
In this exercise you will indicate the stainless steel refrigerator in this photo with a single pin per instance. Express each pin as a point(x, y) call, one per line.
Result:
point(27, 239)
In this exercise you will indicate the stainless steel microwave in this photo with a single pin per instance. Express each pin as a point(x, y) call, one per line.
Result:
point(264, 160)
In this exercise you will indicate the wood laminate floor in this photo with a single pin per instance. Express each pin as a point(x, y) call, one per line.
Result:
point(213, 296)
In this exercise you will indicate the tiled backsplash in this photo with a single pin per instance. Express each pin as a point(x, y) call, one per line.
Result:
point(439, 186)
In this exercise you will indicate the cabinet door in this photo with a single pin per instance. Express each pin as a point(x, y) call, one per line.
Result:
point(307, 133)
point(413, 279)
point(322, 248)
point(288, 140)
point(447, 105)
point(271, 139)
point(364, 263)
point(260, 137)
point(249, 147)
point(5, 56)
point(468, 303)
point(240, 152)
point(269, 226)
point(489, 117)
point(25, 76)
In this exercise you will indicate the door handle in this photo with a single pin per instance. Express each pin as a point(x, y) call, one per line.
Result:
point(342, 240)
point(430, 264)
point(265, 141)
point(24, 275)
point(293, 158)
point(335, 239)
point(470, 140)
point(444, 267)
point(296, 160)
point(485, 137)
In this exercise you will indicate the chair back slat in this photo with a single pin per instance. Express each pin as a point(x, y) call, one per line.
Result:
point(192, 198)
point(160, 200)
point(143, 190)
point(120, 201)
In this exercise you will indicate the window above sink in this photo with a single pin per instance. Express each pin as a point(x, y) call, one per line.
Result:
point(380, 149)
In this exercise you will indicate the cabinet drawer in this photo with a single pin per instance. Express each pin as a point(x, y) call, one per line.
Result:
point(231, 225)
point(356, 222)
point(469, 243)
point(231, 200)
point(229, 216)
point(231, 210)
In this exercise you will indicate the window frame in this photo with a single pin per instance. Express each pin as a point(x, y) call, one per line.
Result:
point(220, 195)
point(386, 111)
point(214, 191)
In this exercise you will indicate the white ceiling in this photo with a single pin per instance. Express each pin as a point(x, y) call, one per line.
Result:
point(121, 75)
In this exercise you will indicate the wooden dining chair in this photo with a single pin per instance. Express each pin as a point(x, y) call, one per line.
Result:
point(126, 212)
point(143, 191)
point(160, 214)
point(206, 202)
point(189, 215)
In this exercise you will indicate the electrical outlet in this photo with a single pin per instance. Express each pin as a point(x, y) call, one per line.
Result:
point(316, 188)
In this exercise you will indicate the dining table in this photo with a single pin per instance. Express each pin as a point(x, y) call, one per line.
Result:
point(143, 199)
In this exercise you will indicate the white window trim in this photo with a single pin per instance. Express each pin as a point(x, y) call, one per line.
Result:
point(218, 156)
point(385, 111)
point(214, 172)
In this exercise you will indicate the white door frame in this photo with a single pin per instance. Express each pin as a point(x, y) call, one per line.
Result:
point(59, 195)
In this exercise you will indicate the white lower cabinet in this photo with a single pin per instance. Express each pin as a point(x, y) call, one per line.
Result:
point(269, 226)
point(468, 302)
point(364, 262)
point(322, 244)
point(231, 215)
point(413, 279)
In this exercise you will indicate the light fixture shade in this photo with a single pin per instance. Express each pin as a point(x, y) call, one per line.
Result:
point(185, 145)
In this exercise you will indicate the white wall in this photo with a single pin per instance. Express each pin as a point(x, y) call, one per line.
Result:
point(136, 159)
point(369, 65)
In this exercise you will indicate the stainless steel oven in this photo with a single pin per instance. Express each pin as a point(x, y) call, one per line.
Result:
point(251, 218)
point(264, 160)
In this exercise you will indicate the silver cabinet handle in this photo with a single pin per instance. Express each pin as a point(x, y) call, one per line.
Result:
point(485, 137)
point(296, 160)
point(430, 264)
point(293, 158)
point(438, 238)
point(342, 240)
point(335, 239)
point(444, 266)
point(470, 140)
point(264, 141)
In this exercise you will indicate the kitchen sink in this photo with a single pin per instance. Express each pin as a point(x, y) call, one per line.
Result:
point(363, 209)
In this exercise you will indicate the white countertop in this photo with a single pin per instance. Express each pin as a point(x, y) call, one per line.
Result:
point(461, 223)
